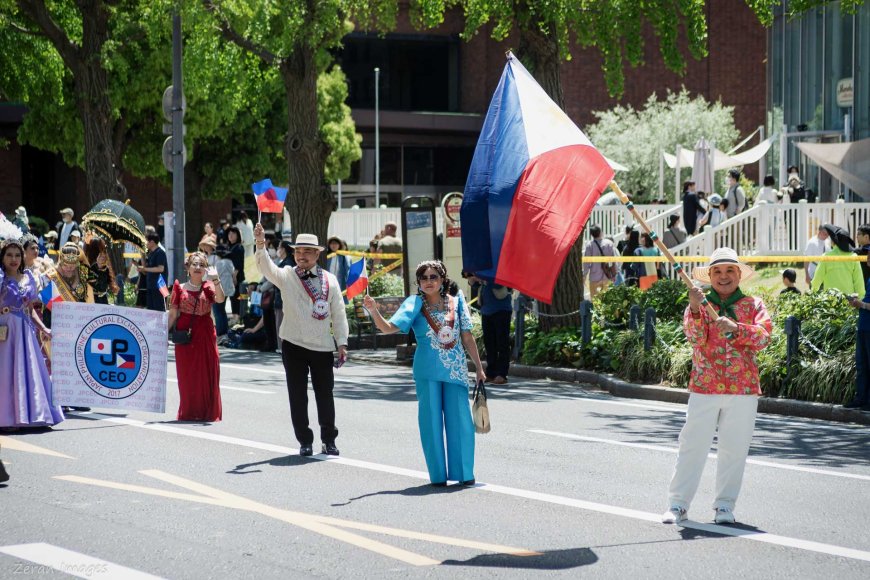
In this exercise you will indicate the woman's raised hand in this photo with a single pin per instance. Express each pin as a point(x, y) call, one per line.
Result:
point(370, 303)
point(259, 233)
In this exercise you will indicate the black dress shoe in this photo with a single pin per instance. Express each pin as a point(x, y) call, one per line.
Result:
point(467, 483)
point(438, 484)
point(329, 449)
point(306, 450)
point(3, 475)
point(854, 404)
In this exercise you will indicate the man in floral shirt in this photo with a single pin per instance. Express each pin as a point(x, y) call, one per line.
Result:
point(724, 385)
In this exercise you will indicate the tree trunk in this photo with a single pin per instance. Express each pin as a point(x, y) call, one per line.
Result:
point(542, 55)
point(309, 199)
point(92, 101)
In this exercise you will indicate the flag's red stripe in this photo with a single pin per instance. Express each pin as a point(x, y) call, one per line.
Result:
point(554, 198)
point(266, 205)
point(357, 287)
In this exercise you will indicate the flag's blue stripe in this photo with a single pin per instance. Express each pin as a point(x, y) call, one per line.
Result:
point(355, 271)
point(499, 159)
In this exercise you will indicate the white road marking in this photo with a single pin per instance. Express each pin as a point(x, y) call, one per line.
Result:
point(757, 536)
point(224, 388)
point(68, 562)
point(710, 455)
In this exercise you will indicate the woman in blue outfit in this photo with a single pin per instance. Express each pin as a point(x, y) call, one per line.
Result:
point(442, 325)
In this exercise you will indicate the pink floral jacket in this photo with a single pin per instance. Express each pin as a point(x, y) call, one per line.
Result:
point(722, 366)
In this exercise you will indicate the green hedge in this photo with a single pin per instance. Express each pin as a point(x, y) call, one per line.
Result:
point(828, 322)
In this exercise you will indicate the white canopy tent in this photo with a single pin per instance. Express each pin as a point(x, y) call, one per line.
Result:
point(847, 162)
point(721, 160)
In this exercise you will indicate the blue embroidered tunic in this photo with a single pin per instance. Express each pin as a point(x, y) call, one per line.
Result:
point(431, 362)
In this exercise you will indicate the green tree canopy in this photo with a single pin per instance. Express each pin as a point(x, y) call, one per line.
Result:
point(636, 137)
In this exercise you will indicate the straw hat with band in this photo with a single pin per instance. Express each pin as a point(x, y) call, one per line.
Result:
point(307, 241)
point(722, 256)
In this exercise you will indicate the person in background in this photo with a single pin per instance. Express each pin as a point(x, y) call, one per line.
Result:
point(789, 277)
point(863, 238)
point(197, 363)
point(160, 230)
point(50, 241)
point(390, 243)
point(33, 262)
point(599, 275)
point(735, 195)
point(221, 233)
point(496, 309)
point(691, 207)
point(25, 384)
point(216, 256)
point(21, 220)
point(237, 257)
point(647, 272)
point(674, 235)
point(862, 347)
point(846, 277)
point(76, 238)
point(715, 215)
point(768, 192)
point(620, 245)
point(629, 272)
point(794, 186)
point(208, 232)
point(246, 228)
point(816, 246)
point(723, 385)
point(65, 227)
point(338, 265)
point(102, 273)
point(154, 267)
point(442, 325)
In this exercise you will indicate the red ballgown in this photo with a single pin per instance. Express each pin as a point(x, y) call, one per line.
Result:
point(197, 363)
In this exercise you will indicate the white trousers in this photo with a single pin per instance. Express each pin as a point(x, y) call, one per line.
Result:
point(734, 418)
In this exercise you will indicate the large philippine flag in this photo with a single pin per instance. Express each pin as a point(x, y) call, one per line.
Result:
point(270, 198)
point(534, 180)
point(357, 279)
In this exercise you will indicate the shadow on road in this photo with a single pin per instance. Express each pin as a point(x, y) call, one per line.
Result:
point(283, 461)
point(551, 560)
point(415, 491)
point(819, 444)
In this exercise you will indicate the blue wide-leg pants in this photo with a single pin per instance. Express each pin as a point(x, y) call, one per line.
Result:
point(445, 406)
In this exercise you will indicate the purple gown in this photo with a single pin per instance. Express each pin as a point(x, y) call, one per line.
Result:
point(25, 385)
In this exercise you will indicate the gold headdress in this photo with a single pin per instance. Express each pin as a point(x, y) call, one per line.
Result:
point(69, 253)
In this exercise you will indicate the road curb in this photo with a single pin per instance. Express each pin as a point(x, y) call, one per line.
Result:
point(620, 388)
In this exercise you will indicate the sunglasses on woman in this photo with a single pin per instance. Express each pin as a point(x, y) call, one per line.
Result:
point(431, 278)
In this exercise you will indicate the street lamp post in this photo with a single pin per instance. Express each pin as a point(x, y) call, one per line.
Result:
point(377, 140)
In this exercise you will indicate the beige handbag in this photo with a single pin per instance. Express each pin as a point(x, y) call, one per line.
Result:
point(480, 410)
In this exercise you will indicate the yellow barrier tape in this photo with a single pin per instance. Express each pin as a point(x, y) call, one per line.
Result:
point(365, 255)
point(748, 259)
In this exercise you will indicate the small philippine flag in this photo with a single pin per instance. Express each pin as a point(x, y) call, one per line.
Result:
point(161, 286)
point(125, 361)
point(357, 279)
point(101, 346)
point(49, 295)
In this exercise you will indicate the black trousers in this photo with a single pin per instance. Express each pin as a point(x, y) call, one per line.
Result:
point(497, 342)
point(297, 362)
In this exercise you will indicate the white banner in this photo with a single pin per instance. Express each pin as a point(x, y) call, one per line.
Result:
point(108, 356)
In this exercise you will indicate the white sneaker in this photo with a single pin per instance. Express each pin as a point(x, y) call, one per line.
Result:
point(724, 515)
point(674, 515)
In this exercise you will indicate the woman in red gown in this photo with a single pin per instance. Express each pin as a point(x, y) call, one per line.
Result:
point(197, 363)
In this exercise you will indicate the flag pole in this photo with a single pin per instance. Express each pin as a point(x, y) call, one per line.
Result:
point(678, 268)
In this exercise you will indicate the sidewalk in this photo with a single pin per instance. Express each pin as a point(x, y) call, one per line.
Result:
point(619, 388)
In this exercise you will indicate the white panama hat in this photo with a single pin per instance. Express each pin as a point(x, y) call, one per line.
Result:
point(722, 256)
point(307, 241)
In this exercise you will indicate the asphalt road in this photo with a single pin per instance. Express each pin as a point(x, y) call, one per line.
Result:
point(570, 482)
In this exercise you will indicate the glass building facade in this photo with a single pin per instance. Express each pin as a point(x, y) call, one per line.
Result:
point(810, 59)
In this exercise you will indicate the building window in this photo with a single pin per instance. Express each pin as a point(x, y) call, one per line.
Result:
point(417, 73)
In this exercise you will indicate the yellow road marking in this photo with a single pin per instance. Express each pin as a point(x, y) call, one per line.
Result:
point(19, 445)
point(319, 524)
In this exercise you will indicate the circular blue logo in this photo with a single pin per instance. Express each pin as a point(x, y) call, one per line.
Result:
point(112, 356)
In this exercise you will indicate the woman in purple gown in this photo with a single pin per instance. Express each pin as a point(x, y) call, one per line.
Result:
point(25, 385)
